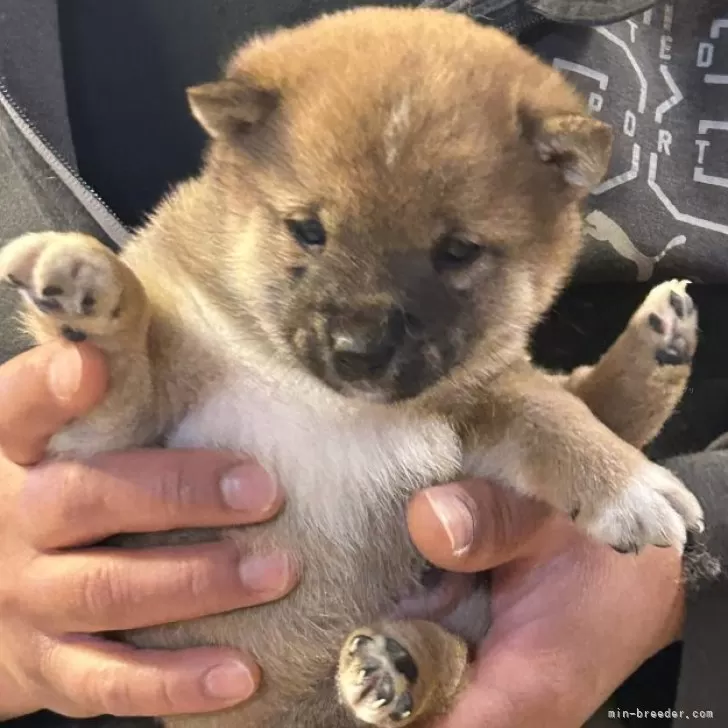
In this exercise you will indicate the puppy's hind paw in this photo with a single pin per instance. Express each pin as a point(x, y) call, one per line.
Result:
point(376, 677)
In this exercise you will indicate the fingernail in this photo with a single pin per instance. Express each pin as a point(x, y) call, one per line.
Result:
point(270, 574)
point(456, 518)
point(247, 487)
point(64, 374)
point(231, 680)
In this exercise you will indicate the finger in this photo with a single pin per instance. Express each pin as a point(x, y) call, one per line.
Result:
point(71, 504)
point(97, 677)
point(473, 526)
point(43, 389)
point(115, 589)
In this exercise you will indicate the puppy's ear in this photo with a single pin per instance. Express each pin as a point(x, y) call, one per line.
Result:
point(230, 107)
point(577, 145)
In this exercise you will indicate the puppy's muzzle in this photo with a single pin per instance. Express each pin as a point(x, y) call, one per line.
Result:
point(363, 341)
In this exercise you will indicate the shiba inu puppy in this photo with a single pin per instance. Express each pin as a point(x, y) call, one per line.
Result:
point(389, 204)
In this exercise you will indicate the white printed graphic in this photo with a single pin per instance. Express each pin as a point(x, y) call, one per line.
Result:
point(662, 143)
point(630, 57)
point(620, 179)
point(603, 228)
point(703, 144)
point(601, 78)
point(673, 101)
point(706, 53)
point(682, 217)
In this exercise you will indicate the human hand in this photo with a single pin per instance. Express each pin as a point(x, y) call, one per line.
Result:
point(571, 618)
point(56, 602)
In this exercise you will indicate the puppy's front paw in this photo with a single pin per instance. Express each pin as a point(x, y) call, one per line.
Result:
point(376, 677)
point(654, 508)
point(668, 322)
point(69, 281)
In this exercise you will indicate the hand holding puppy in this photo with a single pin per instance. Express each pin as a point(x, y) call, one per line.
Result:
point(54, 602)
point(554, 590)
point(572, 619)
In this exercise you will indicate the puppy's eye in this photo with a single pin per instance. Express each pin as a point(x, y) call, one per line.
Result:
point(308, 233)
point(454, 253)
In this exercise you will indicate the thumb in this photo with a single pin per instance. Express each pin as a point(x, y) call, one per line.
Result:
point(42, 390)
point(473, 525)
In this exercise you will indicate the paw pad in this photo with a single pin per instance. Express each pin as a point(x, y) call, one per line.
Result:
point(376, 676)
point(670, 320)
point(72, 280)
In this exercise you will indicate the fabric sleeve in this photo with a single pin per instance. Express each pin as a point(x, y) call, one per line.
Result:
point(702, 694)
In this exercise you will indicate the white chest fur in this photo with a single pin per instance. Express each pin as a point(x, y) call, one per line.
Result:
point(338, 460)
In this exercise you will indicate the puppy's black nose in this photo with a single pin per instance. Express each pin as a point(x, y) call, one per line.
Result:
point(364, 341)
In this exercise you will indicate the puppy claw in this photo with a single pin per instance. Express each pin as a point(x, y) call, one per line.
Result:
point(357, 642)
point(403, 708)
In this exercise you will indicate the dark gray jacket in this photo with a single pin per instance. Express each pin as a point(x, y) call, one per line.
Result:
point(92, 89)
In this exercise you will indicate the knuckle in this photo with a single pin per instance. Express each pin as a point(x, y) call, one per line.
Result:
point(211, 571)
point(67, 500)
point(108, 691)
point(97, 595)
point(164, 696)
point(176, 490)
point(82, 688)
point(114, 692)
point(74, 477)
point(42, 669)
point(23, 655)
point(197, 581)
point(62, 690)
point(78, 597)
point(40, 590)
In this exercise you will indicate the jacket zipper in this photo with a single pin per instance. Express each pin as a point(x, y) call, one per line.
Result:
point(81, 190)
point(514, 26)
point(517, 29)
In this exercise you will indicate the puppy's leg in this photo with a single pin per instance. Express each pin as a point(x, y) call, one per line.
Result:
point(75, 288)
point(400, 673)
point(637, 384)
point(526, 431)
